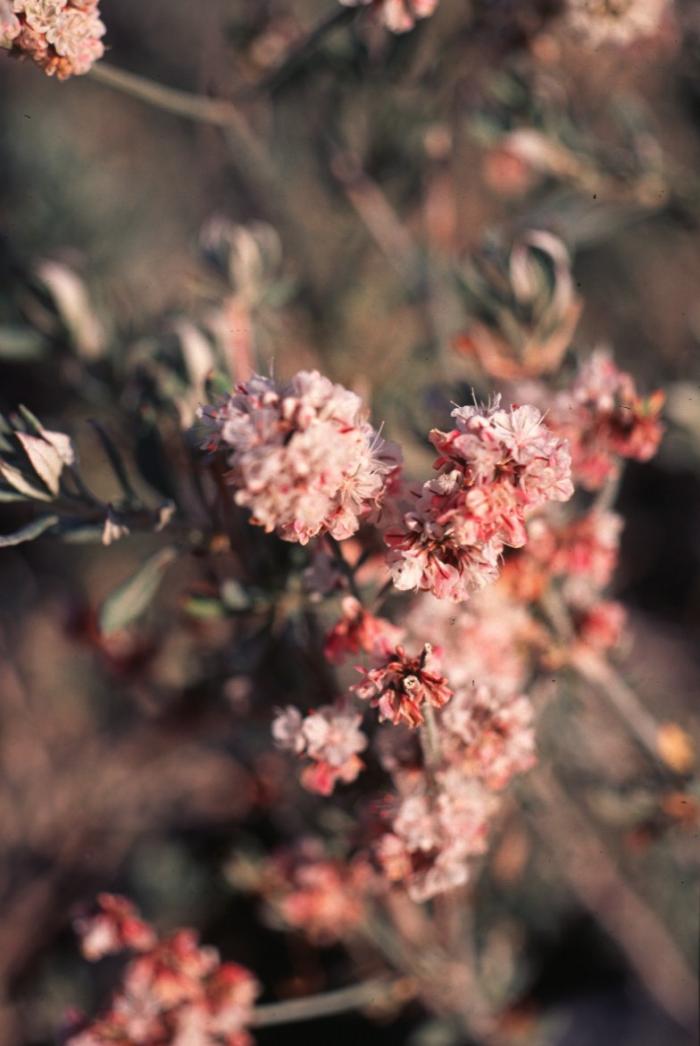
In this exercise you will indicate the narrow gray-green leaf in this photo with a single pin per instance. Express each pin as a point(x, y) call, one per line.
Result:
point(28, 533)
point(44, 458)
point(20, 482)
point(133, 597)
point(21, 345)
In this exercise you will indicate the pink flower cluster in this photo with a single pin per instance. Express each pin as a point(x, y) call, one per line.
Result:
point(330, 737)
point(604, 419)
point(495, 467)
point(63, 37)
point(173, 990)
point(435, 829)
point(302, 456)
point(398, 15)
point(490, 736)
point(401, 685)
point(322, 896)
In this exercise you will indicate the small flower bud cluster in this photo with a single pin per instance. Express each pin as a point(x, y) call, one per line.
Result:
point(302, 456)
point(173, 990)
point(63, 37)
point(494, 467)
point(398, 15)
point(330, 737)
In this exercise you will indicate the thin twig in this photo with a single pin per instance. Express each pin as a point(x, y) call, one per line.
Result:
point(298, 54)
point(326, 1004)
point(171, 99)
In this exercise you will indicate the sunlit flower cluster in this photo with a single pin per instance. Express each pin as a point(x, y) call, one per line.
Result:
point(173, 990)
point(302, 456)
point(330, 737)
point(494, 468)
point(63, 37)
point(398, 15)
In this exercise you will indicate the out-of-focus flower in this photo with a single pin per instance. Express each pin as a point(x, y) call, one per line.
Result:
point(433, 836)
point(523, 306)
point(330, 737)
point(494, 467)
point(398, 15)
point(402, 684)
point(615, 21)
point(495, 734)
point(63, 37)
point(604, 418)
point(601, 625)
point(359, 631)
point(303, 458)
point(323, 897)
point(172, 991)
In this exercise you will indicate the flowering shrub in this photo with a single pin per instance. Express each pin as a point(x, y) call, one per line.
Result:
point(378, 647)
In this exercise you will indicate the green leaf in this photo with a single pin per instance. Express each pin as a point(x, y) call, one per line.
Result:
point(133, 597)
point(28, 533)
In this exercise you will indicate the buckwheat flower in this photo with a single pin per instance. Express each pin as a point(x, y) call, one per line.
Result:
point(115, 927)
point(287, 730)
point(174, 991)
point(433, 836)
point(359, 631)
point(330, 737)
point(323, 897)
point(615, 21)
point(603, 418)
point(398, 15)
point(400, 686)
point(601, 625)
point(487, 638)
point(495, 467)
point(10, 26)
point(63, 37)
point(302, 456)
point(495, 734)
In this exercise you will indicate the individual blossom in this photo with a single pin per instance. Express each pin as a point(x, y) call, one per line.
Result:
point(330, 737)
point(397, 15)
point(601, 624)
point(323, 897)
point(615, 21)
point(604, 418)
point(303, 458)
point(435, 831)
point(491, 736)
point(172, 991)
point(495, 467)
point(63, 37)
point(402, 685)
point(358, 631)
